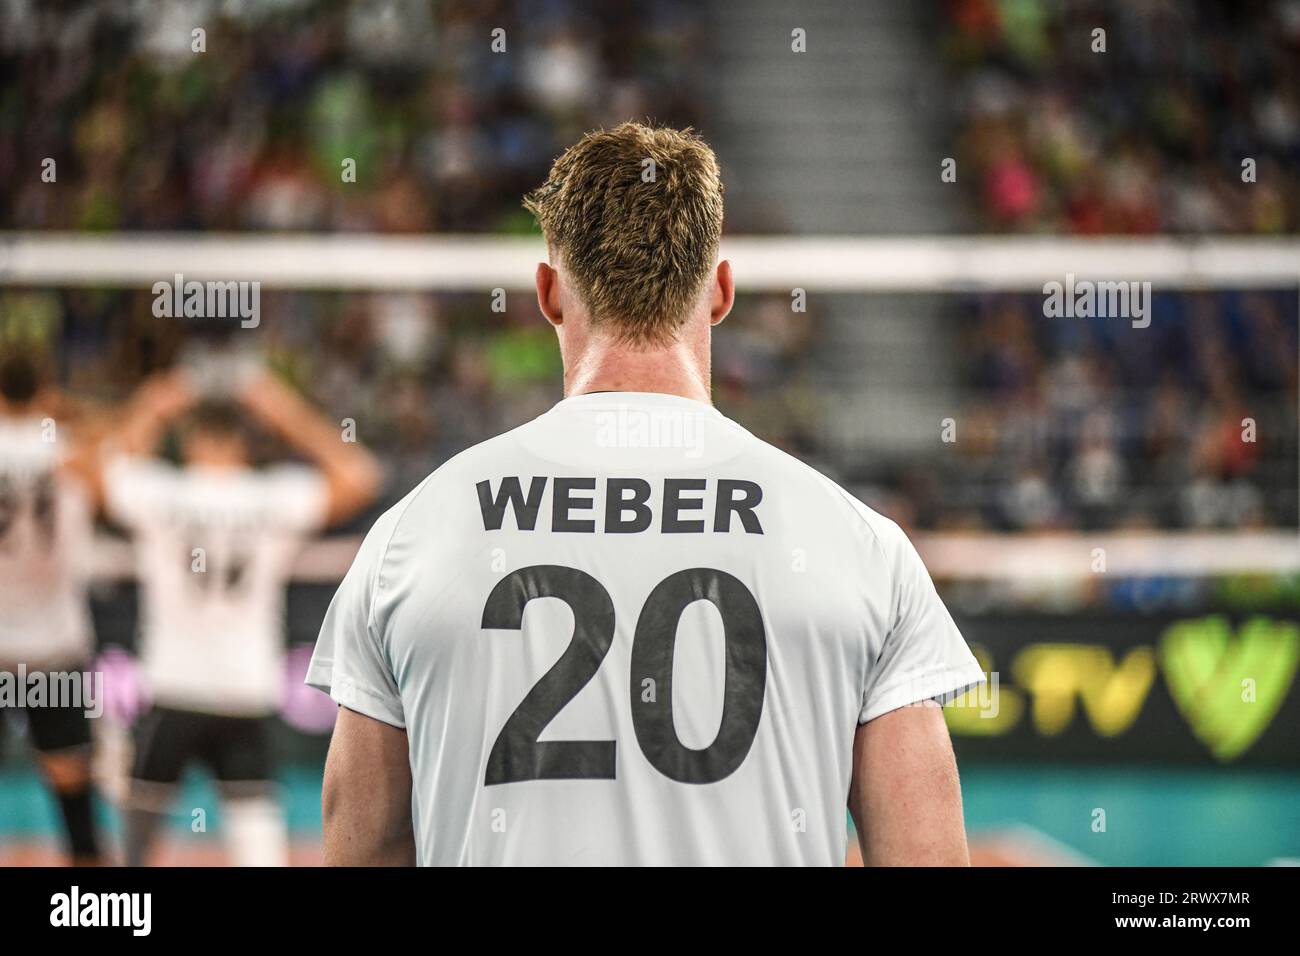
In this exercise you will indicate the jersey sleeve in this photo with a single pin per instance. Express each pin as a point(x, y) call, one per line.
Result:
point(349, 662)
point(135, 487)
point(299, 498)
point(923, 655)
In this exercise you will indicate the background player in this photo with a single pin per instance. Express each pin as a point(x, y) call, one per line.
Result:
point(625, 720)
point(47, 492)
point(214, 541)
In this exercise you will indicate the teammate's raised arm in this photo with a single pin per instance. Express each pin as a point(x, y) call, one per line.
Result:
point(159, 401)
point(905, 797)
point(350, 470)
point(366, 794)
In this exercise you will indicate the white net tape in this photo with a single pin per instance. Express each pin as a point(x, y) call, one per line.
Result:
point(762, 264)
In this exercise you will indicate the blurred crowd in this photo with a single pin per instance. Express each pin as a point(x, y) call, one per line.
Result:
point(1091, 424)
point(1064, 425)
point(447, 111)
point(1148, 136)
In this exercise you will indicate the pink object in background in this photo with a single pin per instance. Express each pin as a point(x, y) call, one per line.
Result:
point(1011, 188)
point(305, 708)
point(125, 694)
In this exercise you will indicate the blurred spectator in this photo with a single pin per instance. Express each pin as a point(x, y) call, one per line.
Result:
point(1090, 424)
point(1147, 136)
point(254, 132)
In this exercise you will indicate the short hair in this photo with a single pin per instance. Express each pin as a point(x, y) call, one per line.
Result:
point(638, 239)
point(216, 417)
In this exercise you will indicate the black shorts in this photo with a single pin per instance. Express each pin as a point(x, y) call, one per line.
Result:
point(56, 728)
point(235, 749)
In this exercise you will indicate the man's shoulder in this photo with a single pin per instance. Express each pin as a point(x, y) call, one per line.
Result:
point(452, 473)
point(495, 452)
point(823, 490)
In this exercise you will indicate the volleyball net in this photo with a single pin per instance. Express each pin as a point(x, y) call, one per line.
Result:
point(957, 270)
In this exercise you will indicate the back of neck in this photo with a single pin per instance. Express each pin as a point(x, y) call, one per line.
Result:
point(676, 369)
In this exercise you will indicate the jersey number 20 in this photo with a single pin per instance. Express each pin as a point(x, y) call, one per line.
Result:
point(518, 755)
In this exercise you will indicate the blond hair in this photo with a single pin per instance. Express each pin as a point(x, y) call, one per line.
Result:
point(638, 251)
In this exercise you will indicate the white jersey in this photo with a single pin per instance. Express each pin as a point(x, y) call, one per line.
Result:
point(214, 549)
point(630, 632)
point(45, 550)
